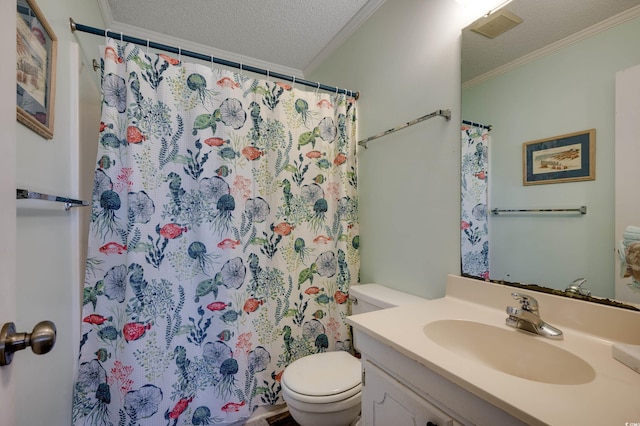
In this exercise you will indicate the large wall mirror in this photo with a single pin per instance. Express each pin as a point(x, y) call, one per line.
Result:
point(552, 74)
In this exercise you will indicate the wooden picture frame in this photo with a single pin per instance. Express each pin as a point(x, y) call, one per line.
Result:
point(35, 69)
point(564, 158)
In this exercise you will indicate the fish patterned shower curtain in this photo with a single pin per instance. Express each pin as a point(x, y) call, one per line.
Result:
point(474, 183)
point(223, 241)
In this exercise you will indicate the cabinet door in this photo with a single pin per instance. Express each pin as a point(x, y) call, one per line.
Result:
point(385, 401)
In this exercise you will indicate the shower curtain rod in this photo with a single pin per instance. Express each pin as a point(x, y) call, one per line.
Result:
point(473, 123)
point(129, 39)
point(446, 113)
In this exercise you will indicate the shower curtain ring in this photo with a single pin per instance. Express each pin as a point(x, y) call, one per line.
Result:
point(211, 63)
point(106, 35)
point(240, 69)
point(121, 41)
point(147, 47)
point(293, 84)
point(268, 80)
point(179, 54)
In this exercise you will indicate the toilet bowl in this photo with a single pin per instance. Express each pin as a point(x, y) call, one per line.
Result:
point(325, 389)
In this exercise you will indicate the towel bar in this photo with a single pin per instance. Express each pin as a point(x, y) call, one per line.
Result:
point(22, 194)
point(581, 210)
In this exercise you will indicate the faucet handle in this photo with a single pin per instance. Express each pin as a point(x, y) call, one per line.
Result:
point(528, 303)
point(576, 287)
point(579, 281)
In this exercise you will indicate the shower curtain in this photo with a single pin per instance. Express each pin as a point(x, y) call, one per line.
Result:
point(223, 240)
point(474, 228)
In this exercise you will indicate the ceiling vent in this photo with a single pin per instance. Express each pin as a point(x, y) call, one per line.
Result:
point(495, 24)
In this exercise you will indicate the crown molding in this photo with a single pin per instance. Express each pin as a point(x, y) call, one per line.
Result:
point(359, 18)
point(105, 11)
point(618, 19)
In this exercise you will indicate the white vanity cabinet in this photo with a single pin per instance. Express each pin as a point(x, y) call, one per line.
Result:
point(411, 379)
point(399, 391)
point(386, 401)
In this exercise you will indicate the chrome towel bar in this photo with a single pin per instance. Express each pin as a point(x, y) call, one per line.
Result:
point(446, 113)
point(22, 194)
point(581, 210)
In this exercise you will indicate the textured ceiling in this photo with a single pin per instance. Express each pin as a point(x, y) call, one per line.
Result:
point(293, 36)
point(545, 22)
point(288, 33)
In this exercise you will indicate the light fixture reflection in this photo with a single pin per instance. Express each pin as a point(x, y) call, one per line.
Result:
point(500, 6)
point(480, 8)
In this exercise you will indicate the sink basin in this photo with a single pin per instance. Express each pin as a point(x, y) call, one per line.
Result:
point(511, 351)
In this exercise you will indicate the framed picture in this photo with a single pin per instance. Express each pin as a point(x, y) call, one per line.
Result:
point(564, 158)
point(35, 69)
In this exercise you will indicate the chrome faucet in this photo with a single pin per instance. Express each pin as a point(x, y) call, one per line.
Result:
point(576, 287)
point(527, 317)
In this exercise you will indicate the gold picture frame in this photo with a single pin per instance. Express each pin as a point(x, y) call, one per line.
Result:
point(564, 158)
point(35, 69)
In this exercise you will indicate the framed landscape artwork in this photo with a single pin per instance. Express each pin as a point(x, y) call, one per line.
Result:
point(564, 158)
point(35, 69)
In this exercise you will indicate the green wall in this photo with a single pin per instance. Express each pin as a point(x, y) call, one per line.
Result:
point(405, 61)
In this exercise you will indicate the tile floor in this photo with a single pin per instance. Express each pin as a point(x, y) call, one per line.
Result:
point(283, 419)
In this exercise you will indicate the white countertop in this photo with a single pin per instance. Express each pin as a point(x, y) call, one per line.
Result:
point(611, 398)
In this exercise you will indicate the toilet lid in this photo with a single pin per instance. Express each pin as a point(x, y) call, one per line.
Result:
point(323, 374)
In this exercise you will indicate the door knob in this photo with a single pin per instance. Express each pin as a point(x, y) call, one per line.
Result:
point(41, 340)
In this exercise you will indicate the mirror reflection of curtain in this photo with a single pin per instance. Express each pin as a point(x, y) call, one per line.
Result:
point(474, 229)
point(223, 240)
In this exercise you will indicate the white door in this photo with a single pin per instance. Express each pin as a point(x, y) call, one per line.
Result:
point(7, 196)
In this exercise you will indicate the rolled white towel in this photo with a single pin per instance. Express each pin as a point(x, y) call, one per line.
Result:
point(632, 233)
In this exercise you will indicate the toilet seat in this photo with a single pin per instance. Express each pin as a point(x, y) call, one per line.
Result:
point(323, 378)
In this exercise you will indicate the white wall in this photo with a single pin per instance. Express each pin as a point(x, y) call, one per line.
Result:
point(405, 61)
point(566, 91)
point(47, 249)
point(627, 173)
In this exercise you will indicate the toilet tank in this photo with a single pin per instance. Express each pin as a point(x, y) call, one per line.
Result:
point(373, 297)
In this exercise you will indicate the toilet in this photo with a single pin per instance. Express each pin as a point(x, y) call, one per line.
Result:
point(325, 388)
